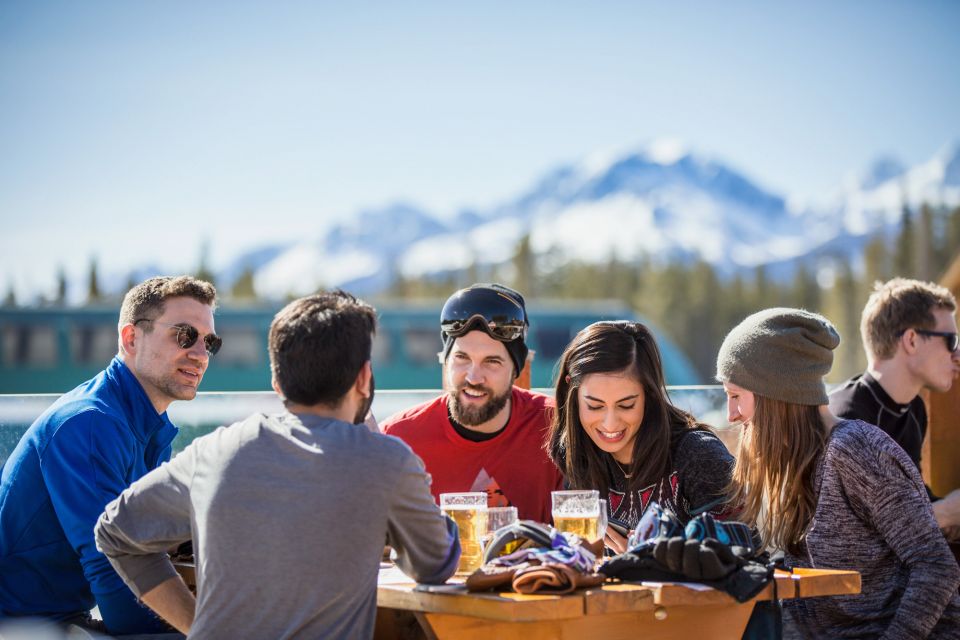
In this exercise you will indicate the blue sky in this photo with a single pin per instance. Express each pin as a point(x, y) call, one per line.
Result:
point(135, 130)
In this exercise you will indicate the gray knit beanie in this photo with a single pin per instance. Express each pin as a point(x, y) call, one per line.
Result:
point(780, 353)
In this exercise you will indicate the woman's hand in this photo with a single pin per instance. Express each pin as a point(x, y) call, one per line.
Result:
point(614, 541)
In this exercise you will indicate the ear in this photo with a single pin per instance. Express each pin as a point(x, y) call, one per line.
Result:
point(275, 384)
point(362, 383)
point(128, 338)
point(909, 341)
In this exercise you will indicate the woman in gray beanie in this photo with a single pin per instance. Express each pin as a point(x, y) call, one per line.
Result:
point(832, 493)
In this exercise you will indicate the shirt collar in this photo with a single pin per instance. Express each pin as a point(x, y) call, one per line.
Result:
point(883, 397)
point(144, 420)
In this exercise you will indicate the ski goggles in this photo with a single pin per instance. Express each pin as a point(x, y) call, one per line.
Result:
point(502, 317)
point(187, 336)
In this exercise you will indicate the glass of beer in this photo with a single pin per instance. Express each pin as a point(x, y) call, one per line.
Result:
point(497, 518)
point(602, 519)
point(577, 512)
point(469, 511)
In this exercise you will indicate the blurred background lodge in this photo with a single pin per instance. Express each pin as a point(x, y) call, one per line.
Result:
point(50, 349)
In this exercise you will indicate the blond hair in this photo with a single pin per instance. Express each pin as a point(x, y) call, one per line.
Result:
point(897, 305)
point(773, 474)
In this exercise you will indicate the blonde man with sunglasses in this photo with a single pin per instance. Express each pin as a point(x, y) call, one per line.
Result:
point(909, 332)
point(90, 445)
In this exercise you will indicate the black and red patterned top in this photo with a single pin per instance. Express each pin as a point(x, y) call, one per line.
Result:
point(701, 471)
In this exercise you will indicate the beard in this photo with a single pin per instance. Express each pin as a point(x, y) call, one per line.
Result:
point(168, 385)
point(365, 407)
point(472, 416)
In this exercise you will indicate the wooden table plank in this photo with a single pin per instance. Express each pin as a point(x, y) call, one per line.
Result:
point(825, 582)
point(724, 622)
point(506, 606)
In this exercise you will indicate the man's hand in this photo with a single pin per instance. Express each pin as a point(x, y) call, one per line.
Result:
point(947, 513)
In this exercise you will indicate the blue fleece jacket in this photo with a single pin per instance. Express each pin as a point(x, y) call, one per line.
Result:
point(90, 445)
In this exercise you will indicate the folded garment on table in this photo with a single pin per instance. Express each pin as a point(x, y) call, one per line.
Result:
point(547, 561)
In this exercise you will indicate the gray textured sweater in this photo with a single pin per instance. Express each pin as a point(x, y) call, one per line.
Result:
point(873, 516)
point(288, 516)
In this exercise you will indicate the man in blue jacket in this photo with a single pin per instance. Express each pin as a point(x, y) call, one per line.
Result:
point(90, 445)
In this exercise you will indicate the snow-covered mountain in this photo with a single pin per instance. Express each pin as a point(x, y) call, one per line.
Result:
point(662, 200)
point(876, 198)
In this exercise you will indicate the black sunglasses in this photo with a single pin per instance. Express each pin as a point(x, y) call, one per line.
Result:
point(187, 336)
point(502, 317)
point(952, 339)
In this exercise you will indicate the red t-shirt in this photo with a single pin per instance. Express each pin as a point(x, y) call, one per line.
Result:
point(512, 467)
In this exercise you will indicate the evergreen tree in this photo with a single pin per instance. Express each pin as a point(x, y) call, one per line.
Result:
point(243, 288)
point(93, 283)
point(10, 300)
point(904, 261)
point(952, 235)
point(762, 294)
point(525, 268)
point(703, 327)
point(203, 267)
point(842, 306)
point(61, 286)
point(737, 303)
point(950, 240)
point(876, 261)
point(924, 250)
point(806, 292)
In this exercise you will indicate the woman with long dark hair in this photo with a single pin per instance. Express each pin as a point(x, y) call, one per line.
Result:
point(615, 430)
point(831, 493)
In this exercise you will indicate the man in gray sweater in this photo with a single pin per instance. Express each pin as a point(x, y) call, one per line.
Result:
point(288, 513)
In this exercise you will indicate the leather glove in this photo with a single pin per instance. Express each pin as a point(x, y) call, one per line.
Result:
point(493, 577)
point(553, 578)
point(706, 559)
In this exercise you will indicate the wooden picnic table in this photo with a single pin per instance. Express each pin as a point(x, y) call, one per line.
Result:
point(617, 610)
point(653, 611)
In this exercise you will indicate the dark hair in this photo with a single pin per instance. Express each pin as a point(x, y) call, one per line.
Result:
point(318, 344)
point(147, 298)
point(613, 347)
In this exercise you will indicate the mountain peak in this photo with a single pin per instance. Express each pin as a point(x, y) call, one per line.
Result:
point(667, 151)
point(881, 170)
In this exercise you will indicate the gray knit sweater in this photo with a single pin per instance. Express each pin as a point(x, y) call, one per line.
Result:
point(873, 516)
point(288, 516)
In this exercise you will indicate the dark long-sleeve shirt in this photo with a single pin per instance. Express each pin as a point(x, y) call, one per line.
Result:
point(862, 398)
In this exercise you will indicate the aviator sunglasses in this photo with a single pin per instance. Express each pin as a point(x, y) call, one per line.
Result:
point(952, 339)
point(498, 314)
point(187, 336)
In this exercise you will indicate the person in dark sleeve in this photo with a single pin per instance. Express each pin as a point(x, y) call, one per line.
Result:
point(90, 445)
point(909, 333)
point(615, 430)
point(832, 493)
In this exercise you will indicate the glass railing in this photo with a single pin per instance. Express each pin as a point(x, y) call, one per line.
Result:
point(211, 410)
